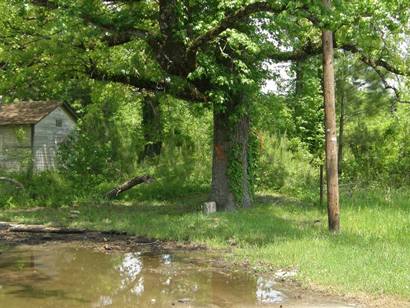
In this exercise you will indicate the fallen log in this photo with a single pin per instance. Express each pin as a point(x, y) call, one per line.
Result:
point(128, 185)
point(39, 229)
point(12, 181)
point(4, 225)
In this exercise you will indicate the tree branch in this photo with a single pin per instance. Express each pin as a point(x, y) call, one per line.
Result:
point(375, 62)
point(311, 50)
point(128, 185)
point(186, 91)
point(50, 4)
point(45, 3)
point(386, 85)
point(115, 34)
point(12, 181)
point(136, 81)
point(297, 55)
point(229, 21)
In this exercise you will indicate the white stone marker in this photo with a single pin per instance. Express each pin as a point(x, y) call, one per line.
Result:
point(209, 207)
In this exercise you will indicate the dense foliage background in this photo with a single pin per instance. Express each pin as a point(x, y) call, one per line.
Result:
point(59, 49)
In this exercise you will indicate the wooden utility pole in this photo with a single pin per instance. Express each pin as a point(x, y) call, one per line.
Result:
point(330, 127)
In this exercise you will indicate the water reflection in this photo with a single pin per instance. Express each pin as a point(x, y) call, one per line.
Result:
point(166, 258)
point(265, 292)
point(138, 287)
point(103, 301)
point(130, 268)
point(69, 276)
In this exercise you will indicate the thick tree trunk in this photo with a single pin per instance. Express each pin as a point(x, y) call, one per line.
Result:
point(330, 125)
point(152, 127)
point(231, 188)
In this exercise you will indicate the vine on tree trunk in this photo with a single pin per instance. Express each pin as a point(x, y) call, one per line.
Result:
point(235, 171)
point(253, 156)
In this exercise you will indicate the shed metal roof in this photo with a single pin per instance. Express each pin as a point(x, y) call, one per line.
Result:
point(29, 112)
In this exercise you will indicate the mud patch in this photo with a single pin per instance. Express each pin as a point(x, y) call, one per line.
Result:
point(98, 269)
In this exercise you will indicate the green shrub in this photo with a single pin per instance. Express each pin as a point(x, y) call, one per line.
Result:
point(378, 151)
point(285, 166)
point(42, 189)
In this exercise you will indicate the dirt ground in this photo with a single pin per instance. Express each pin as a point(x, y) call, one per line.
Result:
point(102, 241)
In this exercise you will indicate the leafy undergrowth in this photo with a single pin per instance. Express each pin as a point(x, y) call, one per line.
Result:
point(370, 255)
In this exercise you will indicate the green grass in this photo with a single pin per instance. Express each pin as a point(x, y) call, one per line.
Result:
point(371, 254)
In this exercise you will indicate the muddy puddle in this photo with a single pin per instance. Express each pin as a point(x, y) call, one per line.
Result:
point(71, 275)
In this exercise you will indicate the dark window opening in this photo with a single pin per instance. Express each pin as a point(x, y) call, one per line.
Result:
point(59, 123)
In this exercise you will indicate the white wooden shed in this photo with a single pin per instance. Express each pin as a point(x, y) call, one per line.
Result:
point(30, 133)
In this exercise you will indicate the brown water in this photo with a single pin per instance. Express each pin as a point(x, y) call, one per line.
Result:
point(61, 275)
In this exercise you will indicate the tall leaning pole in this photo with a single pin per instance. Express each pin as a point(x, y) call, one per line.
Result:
point(330, 128)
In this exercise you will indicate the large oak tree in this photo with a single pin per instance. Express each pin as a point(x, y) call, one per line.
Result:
point(206, 52)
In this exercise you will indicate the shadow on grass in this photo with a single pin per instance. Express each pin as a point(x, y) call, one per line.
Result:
point(375, 199)
point(179, 219)
point(275, 219)
point(267, 199)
